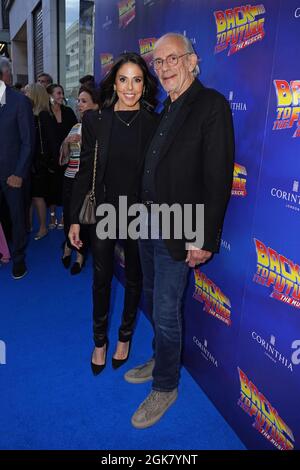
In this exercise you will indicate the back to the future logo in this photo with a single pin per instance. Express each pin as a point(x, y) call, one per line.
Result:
point(288, 105)
point(239, 27)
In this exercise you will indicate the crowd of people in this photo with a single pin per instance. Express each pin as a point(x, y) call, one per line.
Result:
point(45, 185)
point(122, 147)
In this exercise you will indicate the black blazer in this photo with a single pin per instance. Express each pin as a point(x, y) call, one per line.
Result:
point(196, 163)
point(97, 126)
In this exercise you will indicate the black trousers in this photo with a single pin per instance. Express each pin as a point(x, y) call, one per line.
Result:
point(103, 262)
point(15, 199)
point(84, 235)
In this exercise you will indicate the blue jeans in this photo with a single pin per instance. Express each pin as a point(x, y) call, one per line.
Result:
point(164, 282)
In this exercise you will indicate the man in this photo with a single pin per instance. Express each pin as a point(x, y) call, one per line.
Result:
point(189, 161)
point(17, 139)
point(44, 79)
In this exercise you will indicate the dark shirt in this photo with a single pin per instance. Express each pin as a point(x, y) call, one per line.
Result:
point(169, 115)
point(55, 132)
point(121, 169)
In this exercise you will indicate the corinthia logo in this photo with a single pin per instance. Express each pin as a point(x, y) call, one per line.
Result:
point(226, 245)
point(291, 198)
point(205, 352)
point(2, 352)
point(272, 352)
point(297, 12)
point(236, 105)
point(107, 23)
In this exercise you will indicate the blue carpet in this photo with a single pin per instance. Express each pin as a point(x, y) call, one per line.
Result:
point(49, 397)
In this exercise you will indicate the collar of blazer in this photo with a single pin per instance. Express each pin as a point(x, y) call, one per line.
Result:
point(2, 91)
point(194, 90)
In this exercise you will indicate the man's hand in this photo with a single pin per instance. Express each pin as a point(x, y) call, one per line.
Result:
point(14, 181)
point(74, 236)
point(196, 256)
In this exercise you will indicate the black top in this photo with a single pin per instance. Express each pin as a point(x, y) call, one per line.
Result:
point(169, 115)
point(121, 169)
point(97, 126)
point(55, 132)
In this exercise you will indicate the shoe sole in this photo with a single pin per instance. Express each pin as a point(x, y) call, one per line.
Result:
point(135, 380)
point(19, 277)
point(154, 420)
point(40, 237)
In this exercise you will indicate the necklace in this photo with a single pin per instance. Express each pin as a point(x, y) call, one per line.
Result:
point(129, 122)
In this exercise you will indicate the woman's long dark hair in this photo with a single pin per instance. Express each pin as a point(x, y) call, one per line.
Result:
point(107, 95)
point(50, 89)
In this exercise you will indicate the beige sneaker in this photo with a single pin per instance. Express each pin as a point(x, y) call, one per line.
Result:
point(153, 408)
point(140, 374)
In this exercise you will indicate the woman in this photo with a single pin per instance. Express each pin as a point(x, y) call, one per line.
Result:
point(41, 110)
point(62, 120)
point(122, 131)
point(70, 155)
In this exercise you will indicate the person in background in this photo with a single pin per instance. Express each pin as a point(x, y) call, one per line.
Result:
point(44, 79)
point(18, 87)
point(41, 110)
point(122, 130)
point(88, 80)
point(6, 71)
point(16, 149)
point(62, 119)
point(70, 154)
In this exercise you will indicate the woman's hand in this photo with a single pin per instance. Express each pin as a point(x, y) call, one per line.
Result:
point(72, 139)
point(74, 236)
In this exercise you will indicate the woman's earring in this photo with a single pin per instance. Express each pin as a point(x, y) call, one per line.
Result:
point(114, 93)
point(144, 91)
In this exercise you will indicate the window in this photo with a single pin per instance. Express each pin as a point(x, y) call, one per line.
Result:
point(5, 15)
point(38, 40)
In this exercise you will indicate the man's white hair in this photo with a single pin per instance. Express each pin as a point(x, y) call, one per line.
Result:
point(187, 45)
point(5, 64)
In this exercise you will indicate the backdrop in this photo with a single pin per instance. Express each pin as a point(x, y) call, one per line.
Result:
point(242, 310)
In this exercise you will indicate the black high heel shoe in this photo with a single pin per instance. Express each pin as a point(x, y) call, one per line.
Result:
point(66, 259)
point(97, 369)
point(116, 363)
point(77, 267)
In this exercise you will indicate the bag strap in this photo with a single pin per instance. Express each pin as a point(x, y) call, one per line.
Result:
point(92, 193)
point(40, 133)
point(95, 168)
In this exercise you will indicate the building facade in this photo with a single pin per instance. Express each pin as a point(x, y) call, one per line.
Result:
point(4, 30)
point(53, 36)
